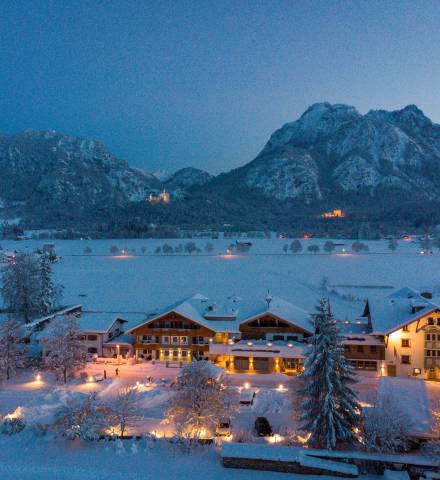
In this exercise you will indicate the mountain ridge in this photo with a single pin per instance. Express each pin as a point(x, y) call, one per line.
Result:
point(371, 163)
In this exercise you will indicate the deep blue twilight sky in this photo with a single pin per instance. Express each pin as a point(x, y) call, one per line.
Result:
point(204, 83)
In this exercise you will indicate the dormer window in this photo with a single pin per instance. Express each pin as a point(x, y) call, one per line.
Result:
point(405, 328)
point(430, 321)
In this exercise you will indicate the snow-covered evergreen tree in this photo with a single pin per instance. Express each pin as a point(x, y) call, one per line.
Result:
point(330, 410)
point(12, 353)
point(50, 293)
point(21, 286)
point(65, 351)
point(86, 419)
point(201, 400)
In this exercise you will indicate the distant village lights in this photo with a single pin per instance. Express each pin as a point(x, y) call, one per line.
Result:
point(336, 213)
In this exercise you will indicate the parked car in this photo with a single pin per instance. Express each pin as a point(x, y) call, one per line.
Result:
point(247, 396)
point(223, 428)
point(262, 427)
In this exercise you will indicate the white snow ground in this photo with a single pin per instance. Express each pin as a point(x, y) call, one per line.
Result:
point(144, 283)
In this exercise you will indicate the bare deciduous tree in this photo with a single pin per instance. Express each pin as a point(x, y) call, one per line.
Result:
point(201, 400)
point(12, 353)
point(65, 351)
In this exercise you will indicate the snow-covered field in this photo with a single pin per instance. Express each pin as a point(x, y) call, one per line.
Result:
point(143, 283)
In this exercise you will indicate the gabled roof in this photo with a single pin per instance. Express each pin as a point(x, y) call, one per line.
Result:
point(227, 316)
point(101, 322)
point(65, 311)
point(395, 311)
point(193, 308)
point(93, 322)
point(279, 308)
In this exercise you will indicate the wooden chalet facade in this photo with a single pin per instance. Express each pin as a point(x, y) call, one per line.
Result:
point(172, 337)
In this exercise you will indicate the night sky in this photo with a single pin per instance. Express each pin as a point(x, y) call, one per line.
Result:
point(204, 83)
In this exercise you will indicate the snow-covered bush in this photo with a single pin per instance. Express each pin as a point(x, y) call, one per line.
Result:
point(13, 422)
point(200, 401)
point(12, 425)
point(431, 448)
point(122, 410)
point(86, 419)
point(386, 426)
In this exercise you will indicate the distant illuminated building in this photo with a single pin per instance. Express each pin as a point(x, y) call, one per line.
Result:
point(336, 213)
point(161, 197)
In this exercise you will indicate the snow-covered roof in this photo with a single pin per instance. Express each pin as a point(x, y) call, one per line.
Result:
point(120, 339)
point(88, 321)
point(228, 315)
point(398, 309)
point(279, 453)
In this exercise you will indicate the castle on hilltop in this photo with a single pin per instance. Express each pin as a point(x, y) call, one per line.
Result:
point(161, 197)
point(336, 213)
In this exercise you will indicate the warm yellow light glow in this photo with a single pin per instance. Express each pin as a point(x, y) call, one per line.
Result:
point(90, 379)
point(275, 438)
point(290, 345)
point(38, 377)
point(17, 413)
point(247, 385)
point(304, 439)
point(281, 388)
point(336, 213)
point(395, 335)
point(250, 344)
point(269, 344)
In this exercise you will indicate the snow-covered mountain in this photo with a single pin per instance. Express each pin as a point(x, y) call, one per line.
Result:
point(333, 149)
point(186, 178)
point(46, 167)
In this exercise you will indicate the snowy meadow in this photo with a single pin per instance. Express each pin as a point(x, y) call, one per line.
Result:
point(143, 282)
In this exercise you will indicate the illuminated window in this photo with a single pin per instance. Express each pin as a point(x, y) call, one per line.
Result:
point(405, 343)
point(184, 340)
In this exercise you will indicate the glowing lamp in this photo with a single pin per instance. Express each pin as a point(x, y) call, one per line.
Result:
point(417, 371)
point(90, 379)
point(290, 345)
point(250, 344)
point(38, 377)
point(247, 385)
point(269, 344)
